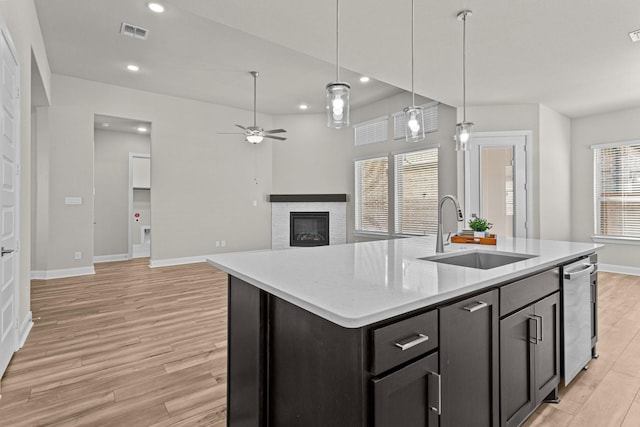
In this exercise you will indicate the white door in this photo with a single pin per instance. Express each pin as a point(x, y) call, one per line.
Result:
point(9, 156)
point(496, 181)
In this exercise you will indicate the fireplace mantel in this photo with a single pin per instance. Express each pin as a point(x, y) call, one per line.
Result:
point(307, 198)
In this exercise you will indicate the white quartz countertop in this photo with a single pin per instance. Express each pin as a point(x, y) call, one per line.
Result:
point(358, 284)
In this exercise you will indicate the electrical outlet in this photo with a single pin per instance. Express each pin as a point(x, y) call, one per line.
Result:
point(255, 203)
point(218, 244)
point(223, 243)
point(78, 255)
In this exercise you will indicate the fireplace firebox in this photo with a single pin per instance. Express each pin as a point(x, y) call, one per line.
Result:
point(309, 229)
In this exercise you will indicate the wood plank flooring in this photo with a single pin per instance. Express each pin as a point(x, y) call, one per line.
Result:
point(147, 347)
point(130, 346)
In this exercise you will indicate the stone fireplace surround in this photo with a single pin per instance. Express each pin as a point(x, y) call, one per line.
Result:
point(283, 204)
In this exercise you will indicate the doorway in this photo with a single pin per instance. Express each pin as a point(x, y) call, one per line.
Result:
point(496, 173)
point(115, 139)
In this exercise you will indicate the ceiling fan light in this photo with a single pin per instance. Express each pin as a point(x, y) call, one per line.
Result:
point(254, 139)
point(338, 105)
point(414, 124)
point(463, 135)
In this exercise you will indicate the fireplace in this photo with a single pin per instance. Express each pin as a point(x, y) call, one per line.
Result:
point(309, 228)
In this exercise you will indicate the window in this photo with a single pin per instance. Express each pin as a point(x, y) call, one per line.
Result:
point(372, 131)
point(617, 190)
point(372, 195)
point(416, 192)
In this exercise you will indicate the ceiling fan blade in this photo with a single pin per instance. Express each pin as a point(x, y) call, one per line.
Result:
point(275, 131)
point(242, 127)
point(279, 138)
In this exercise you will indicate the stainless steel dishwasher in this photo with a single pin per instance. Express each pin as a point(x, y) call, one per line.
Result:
point(576, 303)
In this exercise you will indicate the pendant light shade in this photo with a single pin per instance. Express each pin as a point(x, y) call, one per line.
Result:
point(464, 128)
point(337, 103)
point(414, 116)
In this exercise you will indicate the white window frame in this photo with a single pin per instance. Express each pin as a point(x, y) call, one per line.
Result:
point(598, 236)
point(357, 198)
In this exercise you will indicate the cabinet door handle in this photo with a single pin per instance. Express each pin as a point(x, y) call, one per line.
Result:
point(539, 325)
point(437, 408)
point(478, 305)
point(406, 346)
point(533, 339)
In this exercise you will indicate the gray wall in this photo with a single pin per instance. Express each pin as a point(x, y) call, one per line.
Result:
point(111, 203)
point(586, 131)
point(204, 184)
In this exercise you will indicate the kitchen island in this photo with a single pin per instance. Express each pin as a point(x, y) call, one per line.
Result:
point(372, 334)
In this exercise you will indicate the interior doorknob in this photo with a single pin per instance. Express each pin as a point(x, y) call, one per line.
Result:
point(4, 251)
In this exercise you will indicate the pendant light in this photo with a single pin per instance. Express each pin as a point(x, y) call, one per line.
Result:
point(463, 129)
point(414, 116)
point(338, 92)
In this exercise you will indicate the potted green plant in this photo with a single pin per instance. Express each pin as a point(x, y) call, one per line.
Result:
point(479, 226)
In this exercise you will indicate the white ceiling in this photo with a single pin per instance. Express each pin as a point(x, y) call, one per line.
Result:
point(120, 124)
point(574, 56)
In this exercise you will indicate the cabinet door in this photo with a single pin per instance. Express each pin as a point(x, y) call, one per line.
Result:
point(547, 348)
point(517, 364)
point(469, 361)
point(409, 396)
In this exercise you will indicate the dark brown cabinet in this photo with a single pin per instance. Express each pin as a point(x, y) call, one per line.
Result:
point(469, 362)
point(529, 358)
point(409, 396)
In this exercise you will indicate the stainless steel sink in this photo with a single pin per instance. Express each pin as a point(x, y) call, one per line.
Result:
point(479, 259)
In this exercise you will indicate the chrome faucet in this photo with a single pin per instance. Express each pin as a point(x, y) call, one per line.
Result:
point(439, 242)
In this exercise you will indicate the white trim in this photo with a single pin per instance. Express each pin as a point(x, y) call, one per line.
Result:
point(620, 269)
point(25, 328)
point(614, 240)
point(429, 146)
point(176, 261)
point(616, 144)
point(110, 258)
point(368, 122)
point(142, 250)
point(65, 272)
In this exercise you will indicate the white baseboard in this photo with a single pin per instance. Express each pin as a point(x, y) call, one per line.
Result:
point(24, 330)
point(177, 261)
point(621, 269)
point(110, 258)
point(141, 251)
point(65, 272)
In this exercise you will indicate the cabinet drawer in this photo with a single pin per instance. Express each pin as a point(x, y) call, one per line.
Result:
point(523, 292)
point(402, 341)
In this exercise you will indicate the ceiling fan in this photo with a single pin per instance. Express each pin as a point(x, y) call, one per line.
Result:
point(255, 134)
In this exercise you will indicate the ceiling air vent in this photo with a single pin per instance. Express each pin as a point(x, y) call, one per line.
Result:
point(635, 36)
point(133, 31)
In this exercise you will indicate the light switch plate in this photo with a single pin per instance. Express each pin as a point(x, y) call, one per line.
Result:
point(73, 200)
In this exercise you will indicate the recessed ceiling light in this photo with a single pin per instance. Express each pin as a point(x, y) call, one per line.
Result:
point(142, 129)
point(303, 106)
point(635, 36)
point(105, 125)
point(364, 79)
point(132, 67)
point(155, 7)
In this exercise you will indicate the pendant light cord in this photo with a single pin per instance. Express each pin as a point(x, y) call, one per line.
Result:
point(464, 67)
point(413, 94)
point(337, 40)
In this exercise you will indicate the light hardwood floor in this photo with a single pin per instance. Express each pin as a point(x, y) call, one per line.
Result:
point(133, 346)
point(130, 346)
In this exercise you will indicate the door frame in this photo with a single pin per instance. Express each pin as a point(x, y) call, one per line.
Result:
point(528, 164)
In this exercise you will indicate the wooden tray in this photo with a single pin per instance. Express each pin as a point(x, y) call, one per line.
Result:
point(491, 240)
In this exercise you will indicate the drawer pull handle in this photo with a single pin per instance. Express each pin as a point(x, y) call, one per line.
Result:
point(406, 346)
point(434, 390)
point(479, 305)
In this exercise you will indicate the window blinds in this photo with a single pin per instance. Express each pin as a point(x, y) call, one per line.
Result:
point(371, 132)
point(416, 192)
point(617, 190)
point(372, 195)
